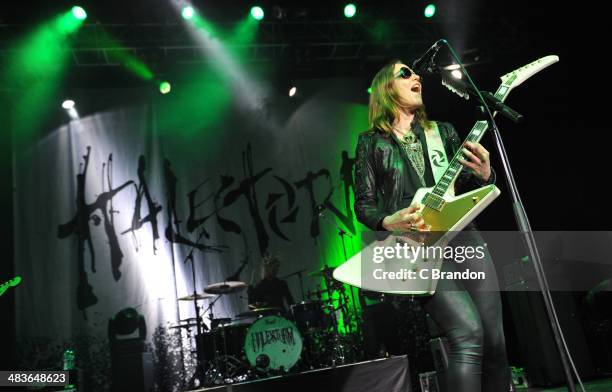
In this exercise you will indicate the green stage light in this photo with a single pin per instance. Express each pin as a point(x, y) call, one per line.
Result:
point(257, 13)
point(165, 87)
point(430, 11)
point(79, 13)
point(369, 90)
point(350, 10)
point(187, 12)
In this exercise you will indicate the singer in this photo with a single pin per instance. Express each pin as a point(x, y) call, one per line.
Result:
point(392, 162)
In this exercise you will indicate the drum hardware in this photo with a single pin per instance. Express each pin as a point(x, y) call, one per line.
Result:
point(195, 296)
point(259, 312)
point(324, 271)
point(342, 233)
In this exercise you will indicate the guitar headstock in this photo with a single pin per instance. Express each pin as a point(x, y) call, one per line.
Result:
point(519, 75)
point(509, 80)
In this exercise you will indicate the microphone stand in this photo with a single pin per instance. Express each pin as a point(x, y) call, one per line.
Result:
point(525, 227)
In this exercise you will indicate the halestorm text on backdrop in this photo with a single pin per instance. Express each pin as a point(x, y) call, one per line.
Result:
point(226, 195)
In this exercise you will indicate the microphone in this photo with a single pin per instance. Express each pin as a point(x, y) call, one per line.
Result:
point(425, 65)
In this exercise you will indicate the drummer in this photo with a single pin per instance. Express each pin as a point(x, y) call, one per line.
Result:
point(270, 291)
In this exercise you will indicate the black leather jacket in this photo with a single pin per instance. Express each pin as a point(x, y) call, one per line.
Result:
point(385, 181)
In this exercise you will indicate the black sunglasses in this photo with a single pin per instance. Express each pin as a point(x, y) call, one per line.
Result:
point(404, 73)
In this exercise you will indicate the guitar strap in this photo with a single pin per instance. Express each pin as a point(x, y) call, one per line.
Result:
point(435, 149)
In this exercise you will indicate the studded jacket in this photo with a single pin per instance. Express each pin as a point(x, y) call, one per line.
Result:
point(385, 180)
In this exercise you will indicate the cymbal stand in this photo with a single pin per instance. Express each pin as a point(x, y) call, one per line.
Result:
point(189, 256)
point(342, 233)
point(338, 354)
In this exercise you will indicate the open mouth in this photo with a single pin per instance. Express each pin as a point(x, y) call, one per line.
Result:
point(416, 88)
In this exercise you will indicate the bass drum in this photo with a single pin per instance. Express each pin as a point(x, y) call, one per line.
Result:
point(273, 343)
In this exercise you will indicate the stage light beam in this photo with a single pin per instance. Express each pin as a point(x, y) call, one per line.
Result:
point(257, 13)
point(350, 10)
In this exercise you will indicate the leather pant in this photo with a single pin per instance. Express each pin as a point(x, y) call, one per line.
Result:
point(469, 314)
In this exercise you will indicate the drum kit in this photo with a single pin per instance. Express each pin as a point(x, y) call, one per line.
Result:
point(265, 341)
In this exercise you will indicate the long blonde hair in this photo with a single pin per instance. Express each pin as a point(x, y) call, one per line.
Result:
point(385, 103)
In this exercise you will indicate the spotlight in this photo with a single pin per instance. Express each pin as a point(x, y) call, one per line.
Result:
point(187, 12)
point(350, 10)
point(257, 13)
point(79, 13)
point(430, 11)
point(292, 91)
point(165, 87)
point(369, 90)
point(68, 104)
point(456, 74)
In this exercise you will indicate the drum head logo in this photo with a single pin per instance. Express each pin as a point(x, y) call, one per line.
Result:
point(263, 338)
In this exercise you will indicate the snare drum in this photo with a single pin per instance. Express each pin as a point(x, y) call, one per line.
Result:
point(273, 342)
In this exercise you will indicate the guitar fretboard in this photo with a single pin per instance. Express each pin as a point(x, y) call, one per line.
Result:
point(435, 198)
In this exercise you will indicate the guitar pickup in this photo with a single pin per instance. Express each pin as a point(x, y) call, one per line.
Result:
point(434, 202)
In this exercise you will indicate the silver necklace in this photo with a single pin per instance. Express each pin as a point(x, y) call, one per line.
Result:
point(414, 150)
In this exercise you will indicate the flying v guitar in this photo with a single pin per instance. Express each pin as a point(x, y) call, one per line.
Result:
point(446, 213)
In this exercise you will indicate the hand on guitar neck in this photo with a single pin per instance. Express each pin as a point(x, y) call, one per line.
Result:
point(477, 160)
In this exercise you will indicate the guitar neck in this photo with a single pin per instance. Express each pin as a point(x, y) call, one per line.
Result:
point(477, 132)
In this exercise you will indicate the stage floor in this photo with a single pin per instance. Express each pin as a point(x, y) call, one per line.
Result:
point(386, 374)
point(590, 386)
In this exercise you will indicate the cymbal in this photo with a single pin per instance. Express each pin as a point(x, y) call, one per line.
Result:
point(198, 296)
point(225, 287)
point(325, 271)
point(260, 312)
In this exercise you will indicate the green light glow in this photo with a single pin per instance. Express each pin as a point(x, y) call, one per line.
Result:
point(354, 119)
point(127, 59)
point(257, 13)
point(35, 70)
point(164, 87)
point(430, 11)
point(79, 13)
point(350, 10)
